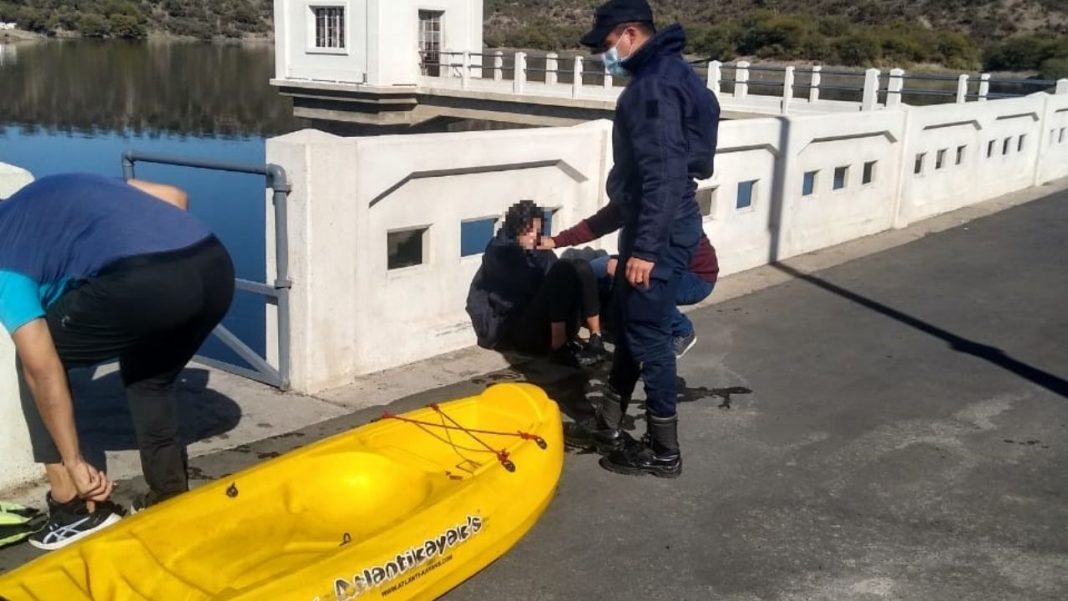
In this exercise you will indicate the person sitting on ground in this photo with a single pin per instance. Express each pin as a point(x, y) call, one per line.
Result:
point(94, 269)
point(528, 300)
point(695, 285)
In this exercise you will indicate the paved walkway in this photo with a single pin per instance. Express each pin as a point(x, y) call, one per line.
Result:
point(895, 427)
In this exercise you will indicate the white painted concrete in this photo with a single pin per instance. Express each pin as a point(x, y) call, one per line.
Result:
point(12, 178)
point(381, 39)
point(18, 466)
point(353, 316)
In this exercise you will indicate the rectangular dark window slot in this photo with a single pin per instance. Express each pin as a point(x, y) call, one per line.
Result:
point(808, 186)
point(1063, 129)
point(475, 235)
point(869, 172)
point(940, 159)
point(841, 177)
point(745, 194)
point(1005, 146)
point(918, 168)
point(1020, 144)
point(406, 248)
point(990, 148)
point(706, 201)
point(960, 154)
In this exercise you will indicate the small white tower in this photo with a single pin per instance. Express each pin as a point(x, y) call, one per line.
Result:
point(374, 43)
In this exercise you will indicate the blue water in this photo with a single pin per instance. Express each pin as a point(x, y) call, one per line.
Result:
point(231, 204)
point(78, 105)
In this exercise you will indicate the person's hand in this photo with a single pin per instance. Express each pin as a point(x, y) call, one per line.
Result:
point(612, 264)
point(639, 271)
point(546, 243)
point(91, 483)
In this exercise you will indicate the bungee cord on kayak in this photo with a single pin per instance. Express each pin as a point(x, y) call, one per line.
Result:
point(502, 454)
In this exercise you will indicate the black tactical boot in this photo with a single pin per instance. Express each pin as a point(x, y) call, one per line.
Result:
point(656, 454)
point(604, 433)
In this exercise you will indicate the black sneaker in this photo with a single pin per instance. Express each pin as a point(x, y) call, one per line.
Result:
point(569, 356)
point(71, 521)
point(595, 346)
point(684, 344)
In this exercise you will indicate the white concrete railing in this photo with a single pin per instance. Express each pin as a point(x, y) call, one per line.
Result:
point(566, 78)
point(17, 467)
point(783, 186)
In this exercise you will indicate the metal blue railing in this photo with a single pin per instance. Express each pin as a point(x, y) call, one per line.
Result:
point(277, 292)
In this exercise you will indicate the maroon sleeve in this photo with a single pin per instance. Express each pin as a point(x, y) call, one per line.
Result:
point(705, 262)
point(602, 223)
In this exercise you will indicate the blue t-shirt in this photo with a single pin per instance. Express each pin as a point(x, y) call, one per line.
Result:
point(65, 228)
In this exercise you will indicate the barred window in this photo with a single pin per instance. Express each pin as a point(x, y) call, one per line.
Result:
point(329, 26)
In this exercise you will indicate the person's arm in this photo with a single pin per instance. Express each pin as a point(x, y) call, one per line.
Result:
point(601, 223)
point(47, 380)
point(168, 194)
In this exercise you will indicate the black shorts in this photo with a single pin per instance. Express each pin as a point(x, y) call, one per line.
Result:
point(152, 313)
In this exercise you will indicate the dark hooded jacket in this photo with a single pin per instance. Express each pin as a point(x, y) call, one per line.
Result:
point(503, 286)
point(664, 138)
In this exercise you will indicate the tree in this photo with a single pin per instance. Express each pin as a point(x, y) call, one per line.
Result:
point(127, 27)
point(93, 25)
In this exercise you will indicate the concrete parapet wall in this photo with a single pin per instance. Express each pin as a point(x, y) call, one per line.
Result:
point(18, 466)
point(353, 315)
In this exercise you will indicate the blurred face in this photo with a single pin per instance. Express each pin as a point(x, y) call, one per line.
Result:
point(528, 238)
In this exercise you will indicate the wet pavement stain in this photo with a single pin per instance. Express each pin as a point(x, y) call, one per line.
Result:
point(196, 473)
point(1026, 443)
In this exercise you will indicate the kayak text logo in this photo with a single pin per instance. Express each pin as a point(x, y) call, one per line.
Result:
point(430, 549)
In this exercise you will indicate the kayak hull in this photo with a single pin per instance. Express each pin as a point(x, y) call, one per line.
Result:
point(406, 507)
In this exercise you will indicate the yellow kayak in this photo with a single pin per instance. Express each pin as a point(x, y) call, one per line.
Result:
point(406, 507)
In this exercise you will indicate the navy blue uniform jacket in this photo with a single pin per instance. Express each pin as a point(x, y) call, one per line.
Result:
point(664, 139)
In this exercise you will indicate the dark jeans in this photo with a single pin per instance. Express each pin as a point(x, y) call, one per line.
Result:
point(152, 313)
point(645, 315)
point(568, 294)
point(692, 290)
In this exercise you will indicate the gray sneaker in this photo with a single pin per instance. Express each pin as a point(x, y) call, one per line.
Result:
point(684, 344)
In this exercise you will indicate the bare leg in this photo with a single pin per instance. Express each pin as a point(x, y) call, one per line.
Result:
point(593, 323)
point(63, 489)
point(559, 334)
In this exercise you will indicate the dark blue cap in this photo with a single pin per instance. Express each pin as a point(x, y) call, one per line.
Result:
point(613, 13)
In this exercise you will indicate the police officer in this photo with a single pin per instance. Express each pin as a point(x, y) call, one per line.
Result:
point(664, 139)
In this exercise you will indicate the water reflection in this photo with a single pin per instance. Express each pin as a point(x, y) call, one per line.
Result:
point(189, 89)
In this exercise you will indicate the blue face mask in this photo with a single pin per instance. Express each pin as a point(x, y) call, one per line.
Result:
point(614, 63)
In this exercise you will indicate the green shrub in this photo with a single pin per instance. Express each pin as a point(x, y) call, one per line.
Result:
point(127, 27)
point(715, 43)
point(769, 34)
point(93, 25)
point(1054, 68)
point(857, 49)
point(1022, 53)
